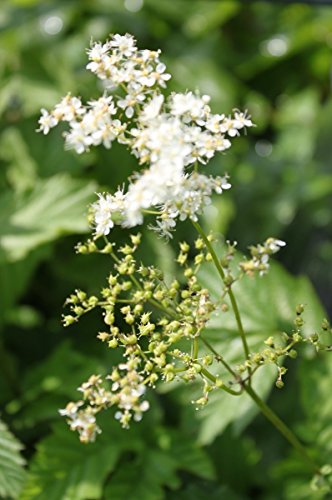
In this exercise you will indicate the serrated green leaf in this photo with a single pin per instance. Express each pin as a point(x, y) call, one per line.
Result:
point(315, 377)
point(12, 473)
point(55, 207)
point(45, 387)
point(144, 478)
point(155, 468)
point(65, 469)
point(22, 168)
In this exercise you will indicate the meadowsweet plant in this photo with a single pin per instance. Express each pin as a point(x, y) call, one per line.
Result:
point(158, 325)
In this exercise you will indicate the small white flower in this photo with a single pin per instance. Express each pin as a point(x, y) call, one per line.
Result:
point(104, 208)
point(46, 122)
point(241, 120)
point(68, 109)
point(125, 44)
point(152, 108)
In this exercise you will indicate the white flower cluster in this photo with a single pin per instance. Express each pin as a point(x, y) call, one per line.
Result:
point(126, 394)
point(169, 135)
point(261, 256)
point(81, 420)
point(128, 389)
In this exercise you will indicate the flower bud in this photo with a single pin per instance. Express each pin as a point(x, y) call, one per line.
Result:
point(299, 309)
point(68, 320)
point(109, 318)
point(113, 343)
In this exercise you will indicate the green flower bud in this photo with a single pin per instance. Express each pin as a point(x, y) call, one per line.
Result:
point(199, 244)
point(184, 247)
point(81, 249)
point(207, 360)
point(131, 340)
point(68, 320)
point(296, 337)
point(138, 309)
point(325, 324)
point(103, 336)
point(299, 309)
point(112, 280)
point(92, 247)
point(113, 343)
point(169, 377)
point(92, 301)
point(81, 295)
point(199, 259)
point(109, 318)
point(208, 257)
point(108, 248)
point(299, 321)
point(129, 319)
point(136, 239)
point(78, 310)
point(126, 285)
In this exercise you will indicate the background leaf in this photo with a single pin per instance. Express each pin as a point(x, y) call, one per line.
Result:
point(53, 208)
point(12, 473)
point(267, 307)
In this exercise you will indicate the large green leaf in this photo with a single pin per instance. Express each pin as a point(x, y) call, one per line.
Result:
point(12, 473)
point(315, 378)
point(156, 467)
point(64, 469)
point(314, 427)
point(45, 388)
point(55, 207)
point(267, 305)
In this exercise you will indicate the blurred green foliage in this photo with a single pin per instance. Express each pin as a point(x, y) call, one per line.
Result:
point(274, 60)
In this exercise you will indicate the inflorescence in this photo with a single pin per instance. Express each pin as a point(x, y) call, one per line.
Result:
point(170, 136)
point(156, 324)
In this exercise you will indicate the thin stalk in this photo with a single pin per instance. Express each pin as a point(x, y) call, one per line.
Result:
point(214, 379)
point(138, 285)
point(282, 428)
point(195, 348)
point(220, 358)
point(229, 290)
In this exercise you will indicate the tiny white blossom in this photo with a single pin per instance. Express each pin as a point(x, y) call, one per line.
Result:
point(125, 44)
point(46, 122)
point(104, 208)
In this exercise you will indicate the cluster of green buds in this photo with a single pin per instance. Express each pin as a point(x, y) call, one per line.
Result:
point(278, 348)
point(160, 328)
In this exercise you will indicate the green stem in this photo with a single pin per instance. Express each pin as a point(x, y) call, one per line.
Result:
point(282, 428)
point(214, 379)
point(195, 348)
point(139, 286)
point(229, 290)
point(220, 358)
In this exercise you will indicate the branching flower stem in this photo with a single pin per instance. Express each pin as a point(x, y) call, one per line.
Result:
point(220, 359)
point(229, 290)
point(264, 408)
point(153, 302)
point(214, 379)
